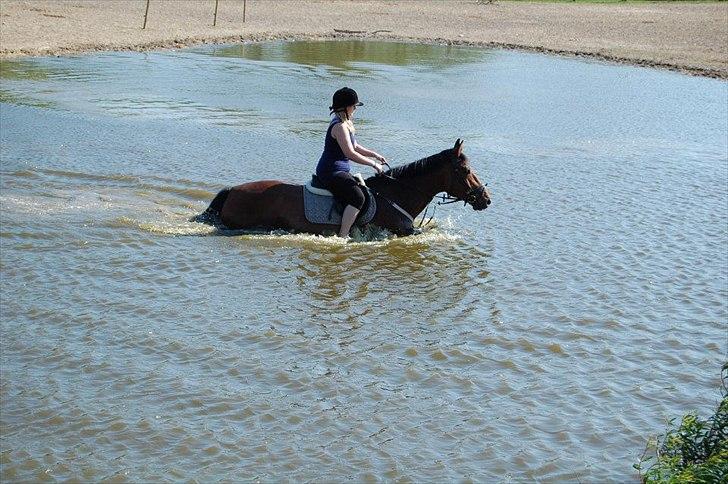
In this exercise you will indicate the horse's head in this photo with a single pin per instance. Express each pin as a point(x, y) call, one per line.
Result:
point(464, 183)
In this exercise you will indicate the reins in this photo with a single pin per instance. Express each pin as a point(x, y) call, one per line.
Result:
point(413, 188)
point(409, 186)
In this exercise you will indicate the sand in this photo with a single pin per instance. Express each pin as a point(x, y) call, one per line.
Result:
point(691, 37)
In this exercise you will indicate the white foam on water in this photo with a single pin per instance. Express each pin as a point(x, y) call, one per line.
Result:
point(166, 211)
point(370, 236)
point(53, 202)
point(168, 226)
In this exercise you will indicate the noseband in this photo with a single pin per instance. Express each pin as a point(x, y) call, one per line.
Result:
point(471, 197)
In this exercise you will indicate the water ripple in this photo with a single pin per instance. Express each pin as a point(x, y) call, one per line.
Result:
point(543, 339)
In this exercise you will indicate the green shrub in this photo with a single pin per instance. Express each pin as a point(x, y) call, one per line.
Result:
point(695, 452)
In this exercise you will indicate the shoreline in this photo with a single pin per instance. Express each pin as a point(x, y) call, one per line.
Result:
point(181, 43)
point(674, 36)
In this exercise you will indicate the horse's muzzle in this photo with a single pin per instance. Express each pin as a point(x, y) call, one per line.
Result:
point(481, 204)
point(479, 198)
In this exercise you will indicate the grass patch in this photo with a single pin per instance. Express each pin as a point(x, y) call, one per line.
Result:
point(695, 452)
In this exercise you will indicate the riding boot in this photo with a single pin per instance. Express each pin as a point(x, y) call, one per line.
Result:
point(347, 220)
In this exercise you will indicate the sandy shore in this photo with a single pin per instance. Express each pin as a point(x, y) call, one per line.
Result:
point(690, 37)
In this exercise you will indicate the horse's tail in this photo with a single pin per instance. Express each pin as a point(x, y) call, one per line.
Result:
point(211, 215)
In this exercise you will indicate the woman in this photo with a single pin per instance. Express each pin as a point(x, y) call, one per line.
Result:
point(340, 148)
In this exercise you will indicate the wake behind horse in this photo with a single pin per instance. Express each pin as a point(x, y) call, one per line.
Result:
point(401, 194)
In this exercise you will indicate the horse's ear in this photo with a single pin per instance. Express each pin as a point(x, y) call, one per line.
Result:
point(458, 147)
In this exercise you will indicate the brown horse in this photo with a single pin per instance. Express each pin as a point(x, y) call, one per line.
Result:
point(401, 194)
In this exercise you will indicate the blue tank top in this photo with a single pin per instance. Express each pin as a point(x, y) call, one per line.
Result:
point(333, 159)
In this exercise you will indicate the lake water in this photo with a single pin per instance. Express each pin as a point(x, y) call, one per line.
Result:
point(546, 338)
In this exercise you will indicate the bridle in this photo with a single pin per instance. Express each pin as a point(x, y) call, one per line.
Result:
point(471, 196)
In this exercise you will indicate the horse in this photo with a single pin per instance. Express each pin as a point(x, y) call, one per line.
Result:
point(401, 194)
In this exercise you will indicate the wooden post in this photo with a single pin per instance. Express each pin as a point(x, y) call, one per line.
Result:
point(245, 3)
point(146, 12)
point(214, 22)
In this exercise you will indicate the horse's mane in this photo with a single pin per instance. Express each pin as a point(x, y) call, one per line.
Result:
point(419, 167)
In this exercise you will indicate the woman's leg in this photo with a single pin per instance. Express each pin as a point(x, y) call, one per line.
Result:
point(347, 220)
point(346, 189)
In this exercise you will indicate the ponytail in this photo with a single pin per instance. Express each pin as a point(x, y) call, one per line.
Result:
point(345, 120)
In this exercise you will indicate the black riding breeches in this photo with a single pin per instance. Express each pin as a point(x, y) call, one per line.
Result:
point(346, 189)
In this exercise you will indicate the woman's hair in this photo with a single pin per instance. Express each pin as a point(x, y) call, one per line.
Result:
point(345, 120)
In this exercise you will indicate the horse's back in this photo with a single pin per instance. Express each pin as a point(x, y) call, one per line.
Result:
point(262, 186)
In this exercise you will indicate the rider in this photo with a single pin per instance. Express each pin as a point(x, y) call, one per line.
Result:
point(341, 147)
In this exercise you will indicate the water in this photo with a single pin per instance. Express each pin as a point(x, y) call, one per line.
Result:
point(543, 339)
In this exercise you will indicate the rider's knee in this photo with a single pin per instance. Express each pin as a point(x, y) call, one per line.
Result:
point(357, 198)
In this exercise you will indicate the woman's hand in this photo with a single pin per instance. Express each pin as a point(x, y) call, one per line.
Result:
point(382, 161)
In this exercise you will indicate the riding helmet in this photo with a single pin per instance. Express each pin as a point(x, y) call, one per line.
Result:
point(345, 97)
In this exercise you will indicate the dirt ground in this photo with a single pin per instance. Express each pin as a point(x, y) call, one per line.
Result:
point(688, 36)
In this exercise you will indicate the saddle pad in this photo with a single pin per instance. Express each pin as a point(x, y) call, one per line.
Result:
point(317, 191)
point(319, 209)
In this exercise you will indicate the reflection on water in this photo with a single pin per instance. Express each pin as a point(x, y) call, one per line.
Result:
point(540, 340)
point(49, 69)
point(350, 54)
point(20, 69)
point(407, 273)
point(9, 97)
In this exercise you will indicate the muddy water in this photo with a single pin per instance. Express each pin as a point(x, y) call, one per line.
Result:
point(546, 338)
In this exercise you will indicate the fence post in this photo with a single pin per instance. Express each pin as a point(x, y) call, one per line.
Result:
point(146, 12)
point(214, 22)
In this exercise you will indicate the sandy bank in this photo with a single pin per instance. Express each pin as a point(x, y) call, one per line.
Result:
point(690, 37)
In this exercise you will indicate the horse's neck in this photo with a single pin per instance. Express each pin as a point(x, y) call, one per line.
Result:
point(415, 193)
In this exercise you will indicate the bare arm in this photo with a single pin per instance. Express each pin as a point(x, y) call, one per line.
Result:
point(341, 134)
point(367, 152)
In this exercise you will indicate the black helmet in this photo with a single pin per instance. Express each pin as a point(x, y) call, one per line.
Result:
point(344, 98)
